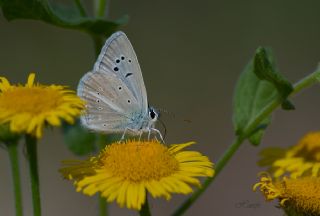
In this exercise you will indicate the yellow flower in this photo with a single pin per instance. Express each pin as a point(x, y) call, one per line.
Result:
point(302, 159)
point(299, 196)
point(28, 108)
point(126, 171)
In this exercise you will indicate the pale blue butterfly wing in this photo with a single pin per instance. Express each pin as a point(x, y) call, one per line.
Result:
point(114, 91)
point(118, 57)
point(110, 106)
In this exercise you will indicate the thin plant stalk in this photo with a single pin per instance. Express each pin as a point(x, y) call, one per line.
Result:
point(98, 43)
point(31, 143)
point(100, 8)
point(103, 205)
point(145, 209)
point(81, 8)
point(268, 109)
point(14, 160)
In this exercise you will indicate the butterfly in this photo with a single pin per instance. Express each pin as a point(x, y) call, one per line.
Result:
point(114, 92)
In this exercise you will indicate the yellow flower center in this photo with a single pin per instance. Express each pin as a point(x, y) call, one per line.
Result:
point(33, 100)
point(301, 194)
point(137, 161)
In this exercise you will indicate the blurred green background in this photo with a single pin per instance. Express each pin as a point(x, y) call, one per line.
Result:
point(191, 54)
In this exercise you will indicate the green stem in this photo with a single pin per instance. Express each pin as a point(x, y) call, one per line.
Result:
point(145, 209)
point(14, 160)
point(306, 82)
point(220, 165)
point(103, 205)
point(268, 109)
point(98, 43)
point(100, 8)
point(31, 143)
point(80, 7)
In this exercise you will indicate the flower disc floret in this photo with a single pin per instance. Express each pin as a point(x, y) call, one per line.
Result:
point(137, 162)
point(28, 108)
point(299, 196)
point(123, 172)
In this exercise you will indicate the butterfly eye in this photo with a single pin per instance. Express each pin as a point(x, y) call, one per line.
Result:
point(152, 114)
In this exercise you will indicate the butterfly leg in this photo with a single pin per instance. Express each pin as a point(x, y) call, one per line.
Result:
point(149, 132)
point(158, 132)
point(141, 132)
point(125, 132)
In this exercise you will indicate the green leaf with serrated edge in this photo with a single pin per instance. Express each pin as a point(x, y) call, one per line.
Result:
point(66, 17)
point(79, 140)
point(251, 96)
point(264, 70)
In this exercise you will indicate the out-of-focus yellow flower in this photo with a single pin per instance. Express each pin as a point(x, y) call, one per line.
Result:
point(124, 172)
point(300, 197)
point(303, 159)
point(28, 108)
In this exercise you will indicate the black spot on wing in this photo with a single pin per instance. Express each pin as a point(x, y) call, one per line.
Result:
point(128, 74)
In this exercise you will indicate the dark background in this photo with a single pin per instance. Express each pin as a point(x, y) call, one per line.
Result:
point(191, 54)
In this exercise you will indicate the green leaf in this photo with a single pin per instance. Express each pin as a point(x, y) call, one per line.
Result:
point(258, 85)
point(79, 140)
point(251, 96)
point(264, 70)
point(65, 17)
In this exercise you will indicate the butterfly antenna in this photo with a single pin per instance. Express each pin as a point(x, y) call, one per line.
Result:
point(161, 110)
point(173, 115)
